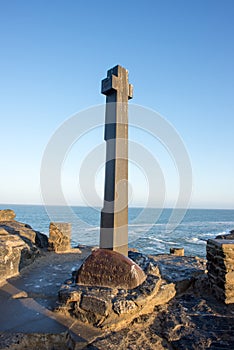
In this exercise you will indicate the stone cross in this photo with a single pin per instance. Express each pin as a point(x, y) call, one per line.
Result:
point(114, 215)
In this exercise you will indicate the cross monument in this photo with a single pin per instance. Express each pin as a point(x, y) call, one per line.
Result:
point(114, 215)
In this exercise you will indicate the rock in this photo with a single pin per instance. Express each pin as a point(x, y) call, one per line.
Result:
point(124, 306)
point(60, 237)
point(41, 240)
point(226, 236)
point(115, 307)
point(177, 251)
point(18, 341)
point(95, 304)
point(19, 246)
point(25, 231)
point(7, 215)
point(11, 248)
point(180, 270)
point(20, 295)
point(108, 268)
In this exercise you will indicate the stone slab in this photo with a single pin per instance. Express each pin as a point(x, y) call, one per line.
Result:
point(109, 268)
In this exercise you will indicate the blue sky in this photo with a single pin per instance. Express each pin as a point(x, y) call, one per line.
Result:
point(180, 57)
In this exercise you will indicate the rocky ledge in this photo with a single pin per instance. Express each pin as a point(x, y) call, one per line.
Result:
point(189, 318)
point(19, 244)
point(115, 308)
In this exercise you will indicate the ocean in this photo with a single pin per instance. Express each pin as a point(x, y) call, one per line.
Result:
point(151, 231)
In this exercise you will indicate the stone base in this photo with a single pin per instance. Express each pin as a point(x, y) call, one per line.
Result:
point(107, 307)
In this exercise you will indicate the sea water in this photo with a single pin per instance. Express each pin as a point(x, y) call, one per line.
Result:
point(151, 231)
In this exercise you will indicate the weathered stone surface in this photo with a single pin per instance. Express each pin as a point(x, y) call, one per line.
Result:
point(114, 307)
point(10, 255)
point(26, 232)
point(18, 247)
point(192, 320)
point(180, 270)
point(177, 251)
point(220, 265)
point(60, 237)
point(110, 269)
point(19, 341)
point(7, 215)
point(95, 304)
point(138, 336)
point(68, 295)
point(124, 306)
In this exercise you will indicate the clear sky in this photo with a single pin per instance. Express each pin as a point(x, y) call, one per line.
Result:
point(180, 56)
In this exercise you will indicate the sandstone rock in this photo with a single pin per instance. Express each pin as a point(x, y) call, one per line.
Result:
point(124, 306)
point(20, 295)
point(180, 270)
point(60, 237)
point(7, 215)
point(18, 247)
point(177, 251)
point(95, 304)
point(25, 231)
point(10, 255)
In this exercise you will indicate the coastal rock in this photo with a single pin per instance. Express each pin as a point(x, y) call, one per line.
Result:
point(194, 319)
point(182, 271)
point(11, 248)
point(19, 246)
point(7, 215)
point(60, 237)
point(177, 251)
point(25, 232)
point(226, 236)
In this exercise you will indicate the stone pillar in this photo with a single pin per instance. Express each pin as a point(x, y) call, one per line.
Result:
point(60, 237)
point(177, 251)
point(220, 266)
point(114, 216)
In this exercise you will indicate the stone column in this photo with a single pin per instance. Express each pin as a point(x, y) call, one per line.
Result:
point(60, 237)
point(220, 266)
point(114, 216)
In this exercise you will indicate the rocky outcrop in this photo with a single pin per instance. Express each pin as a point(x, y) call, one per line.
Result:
point(193, 319)
point(226, 236)
point(7, 215)
point(19, 245)
point(180, 270)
